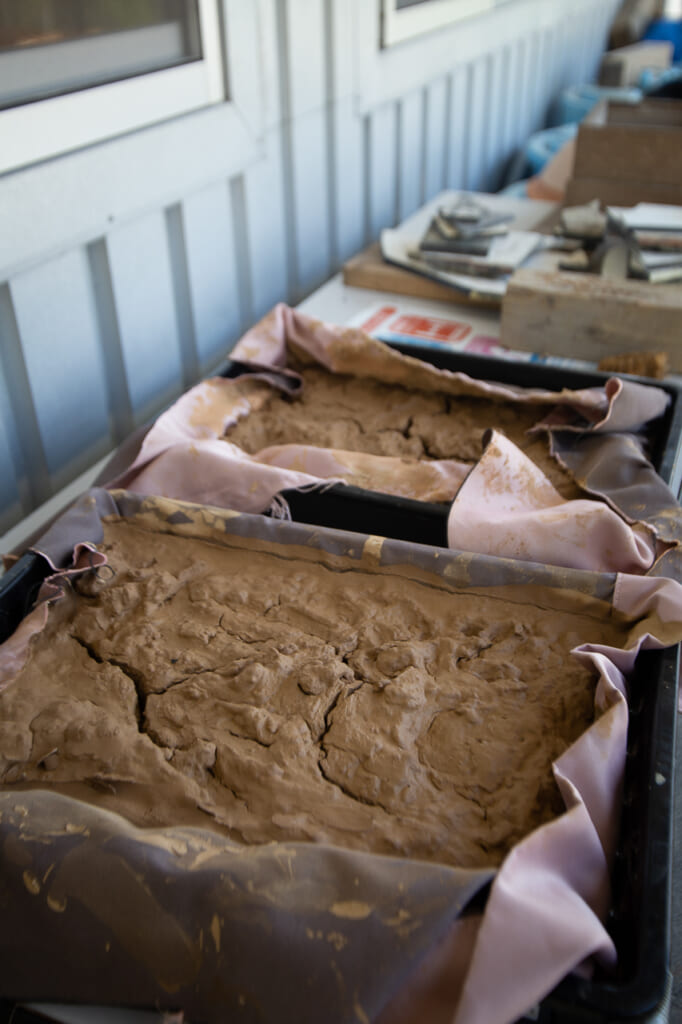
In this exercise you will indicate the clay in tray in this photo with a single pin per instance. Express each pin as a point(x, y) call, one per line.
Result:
point(360, 414)
point(271, 697)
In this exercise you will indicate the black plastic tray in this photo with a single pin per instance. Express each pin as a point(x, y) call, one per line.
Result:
point(639, 921)
point(346, 507)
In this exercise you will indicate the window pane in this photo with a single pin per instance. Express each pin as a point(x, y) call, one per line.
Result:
point(49, 47)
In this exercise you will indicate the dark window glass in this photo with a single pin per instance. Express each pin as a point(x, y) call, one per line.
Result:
point(49, 47)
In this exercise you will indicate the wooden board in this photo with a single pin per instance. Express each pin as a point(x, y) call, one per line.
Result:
point(588, 317)
point(624, 66)
point(369, 270)
point(649, 111)
point(612, 192)
point(626, 152)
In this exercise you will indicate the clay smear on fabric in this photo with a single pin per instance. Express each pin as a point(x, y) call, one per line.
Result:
point(276, 698)
point(360, 414)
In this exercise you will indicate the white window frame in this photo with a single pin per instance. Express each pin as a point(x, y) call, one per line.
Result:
point(400, 25)
point(47, 128)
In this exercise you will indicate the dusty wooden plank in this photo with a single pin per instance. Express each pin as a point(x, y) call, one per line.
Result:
point(588, 317)
point(629, 153)
point(625, 65)
point(620, 193)
point(368, 270)
point(652, 111)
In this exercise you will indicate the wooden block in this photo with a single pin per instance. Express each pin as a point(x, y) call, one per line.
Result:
point(643, 152)
point(624, 66)
point(369, 270)
point(612, 192)
point(649, 111)
point(590, 317)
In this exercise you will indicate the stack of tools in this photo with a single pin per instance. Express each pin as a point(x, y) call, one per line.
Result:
point(468, 238)
point(655, 231)
point(644, 241)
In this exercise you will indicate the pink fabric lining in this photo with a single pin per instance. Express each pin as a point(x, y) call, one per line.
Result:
point(182, 455)
point(15, 650)
point(555, 883)
point(507, 507)
point(544, 914)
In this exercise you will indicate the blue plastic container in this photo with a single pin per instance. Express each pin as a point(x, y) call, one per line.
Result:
point(578, 100)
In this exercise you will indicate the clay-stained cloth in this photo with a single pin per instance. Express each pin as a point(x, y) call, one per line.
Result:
point(96, 910)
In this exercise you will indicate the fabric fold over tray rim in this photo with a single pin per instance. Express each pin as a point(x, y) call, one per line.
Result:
point(599, 995)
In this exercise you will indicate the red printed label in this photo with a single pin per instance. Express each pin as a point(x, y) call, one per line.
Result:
point(431, 328)
point(377, 318)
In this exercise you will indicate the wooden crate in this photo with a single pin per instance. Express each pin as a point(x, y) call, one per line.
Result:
point(588, 317)
point(635, 156)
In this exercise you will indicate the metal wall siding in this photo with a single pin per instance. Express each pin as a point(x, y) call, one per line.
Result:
point(131, 286)
point(458, 127)
point(142, 282)
point(382, 167)
point(211, 271)
point(56, 319)
point(435, 135)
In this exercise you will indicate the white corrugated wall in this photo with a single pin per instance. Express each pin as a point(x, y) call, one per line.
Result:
point(128, 269)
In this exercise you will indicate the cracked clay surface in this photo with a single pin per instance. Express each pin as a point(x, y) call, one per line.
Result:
point(359, 414)
point(274, 698)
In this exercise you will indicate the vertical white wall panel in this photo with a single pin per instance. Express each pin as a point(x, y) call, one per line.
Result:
point(303, 24)
point(348, 198)
point(435, 143)
point(142, 284)
point(458, 128)
point(310, 201)
point(263, 247)
point(212, 272)
point(10, 501)
point(513, 108)
point(496, 107)
point(305, 142)
point(477, 136)
point(382, 171)
point(57, 324)
point(411, 131)
point(27, 475)
point(331, 140)
point(345, 134)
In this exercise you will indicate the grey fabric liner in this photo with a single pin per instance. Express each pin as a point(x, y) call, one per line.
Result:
point(615, 468)
point(93, 911)
point(81, 523)
point(456, 568)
